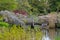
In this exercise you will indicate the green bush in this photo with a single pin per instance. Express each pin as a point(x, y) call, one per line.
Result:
point(4, 24)
point(8, 4)
point(15, 33)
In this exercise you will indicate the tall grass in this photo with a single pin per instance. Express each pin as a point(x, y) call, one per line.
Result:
point(18, 33)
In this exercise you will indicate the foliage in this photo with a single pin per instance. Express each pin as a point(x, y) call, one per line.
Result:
point(17, 33)
point(36, 7)
point(8, 4)
point(4, 24)
point(32, 7)
point(1, 18)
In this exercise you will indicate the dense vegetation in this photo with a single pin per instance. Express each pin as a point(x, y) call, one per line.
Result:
point(9, 28)
point(15, 33)
point(8, 5)
point(31, 6)
point(39, 6)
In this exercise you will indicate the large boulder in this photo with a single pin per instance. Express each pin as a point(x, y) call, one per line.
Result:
point(11, 17)
point(51, 19)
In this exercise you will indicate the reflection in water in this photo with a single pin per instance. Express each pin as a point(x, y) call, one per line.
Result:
point(46, 38)
point(57, 34)
point(49, 34)
point(46, 35)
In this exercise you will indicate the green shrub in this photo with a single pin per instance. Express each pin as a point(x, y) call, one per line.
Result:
point(8, 4)
point(15, 33)
point(4, 24)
